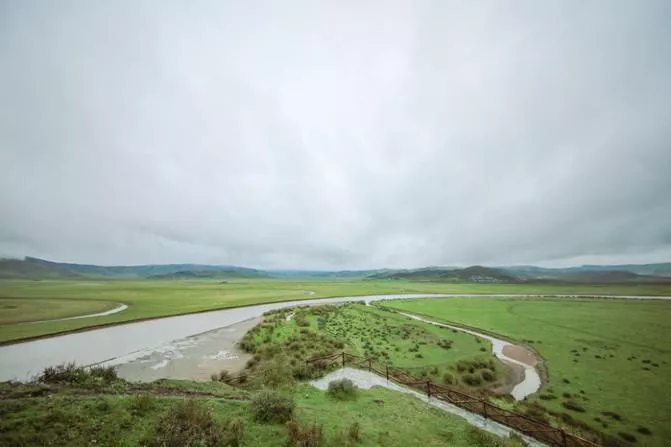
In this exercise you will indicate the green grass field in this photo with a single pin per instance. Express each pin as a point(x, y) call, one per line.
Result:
point(610, 357)
point(124, 414)
point(23, 310)
point(423, 350)
point(150, 299)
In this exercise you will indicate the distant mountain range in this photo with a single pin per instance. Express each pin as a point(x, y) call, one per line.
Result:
point(35, 268)
point(474, 274)
point(527, 274)
point(40, 268)
point(212, 274)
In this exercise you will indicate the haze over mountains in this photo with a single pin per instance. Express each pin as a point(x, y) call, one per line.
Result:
point(35, 268)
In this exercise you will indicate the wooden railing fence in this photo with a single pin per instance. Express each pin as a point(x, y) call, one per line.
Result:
point(522, 423)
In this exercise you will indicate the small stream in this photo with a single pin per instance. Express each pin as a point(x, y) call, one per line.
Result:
point(531, 381)
point(119, 308)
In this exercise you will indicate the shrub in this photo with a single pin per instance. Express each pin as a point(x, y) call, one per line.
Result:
point(64, 373)
point(612, 415)
point(487, 375)
point(471, 379)
point(187, 423)
point(236, 433)
point(644, 430)
point(311, 436)
point(547, 396)
point(224, 376)
point(570, 404)
point(627, 437)
point(276, 374)
point(271, 406)
point(106, 373)
point(141, 404)
point(449, 378)
point(242, 377)
point(342, 389)
point(302, 372)
point(355, 432)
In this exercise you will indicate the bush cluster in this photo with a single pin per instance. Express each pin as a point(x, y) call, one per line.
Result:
point(73, 374)
point(190, 423)
point(342, 389)
point(271, 406)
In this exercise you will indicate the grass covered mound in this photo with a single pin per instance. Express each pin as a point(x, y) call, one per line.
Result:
point(288, 337)
point(609, 361)
point(87, 410)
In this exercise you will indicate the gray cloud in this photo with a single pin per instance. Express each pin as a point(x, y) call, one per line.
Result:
point(336, 134)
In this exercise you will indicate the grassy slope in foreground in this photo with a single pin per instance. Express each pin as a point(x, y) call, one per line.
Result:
point(153, 298)
point(608, 355)
point(121, 414)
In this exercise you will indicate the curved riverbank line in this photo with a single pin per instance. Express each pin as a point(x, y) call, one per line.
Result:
point(89, 346)
point(505, 351)
point(120, 308)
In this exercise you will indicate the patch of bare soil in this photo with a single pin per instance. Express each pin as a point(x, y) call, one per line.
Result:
point(521, 354)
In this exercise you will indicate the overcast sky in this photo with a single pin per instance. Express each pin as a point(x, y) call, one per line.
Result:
point(339, 134)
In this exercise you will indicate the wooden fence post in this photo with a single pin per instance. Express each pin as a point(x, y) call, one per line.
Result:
point(386, 368)
point(484, 408)
point(343, 359)
point(369, 365)
point(563, 437)
point(428, 388)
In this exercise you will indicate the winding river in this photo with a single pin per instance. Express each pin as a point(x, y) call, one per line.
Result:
point(155, 345)
point(531, 381)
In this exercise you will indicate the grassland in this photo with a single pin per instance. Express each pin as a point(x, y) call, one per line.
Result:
point(423, 350)
point(151, 299)
point(609, 361)
point(88, 411)
point(14, 311)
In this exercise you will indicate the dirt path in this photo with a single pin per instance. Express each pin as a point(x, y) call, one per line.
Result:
point(366, 380)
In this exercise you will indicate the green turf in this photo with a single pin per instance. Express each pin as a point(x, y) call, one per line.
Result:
point(148, 299)
point(420, 349)
point(608, 356)
point(124, 415)
point(14, 311)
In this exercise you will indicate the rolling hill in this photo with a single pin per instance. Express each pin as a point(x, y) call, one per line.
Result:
point(36, 268)
point(211, 274)
point(474, 274)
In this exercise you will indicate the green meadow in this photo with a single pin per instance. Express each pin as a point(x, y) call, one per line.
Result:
point(23, 300)
point(609, 360)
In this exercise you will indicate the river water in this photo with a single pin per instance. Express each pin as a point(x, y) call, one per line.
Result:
point(150, 349)
point(531, 381)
